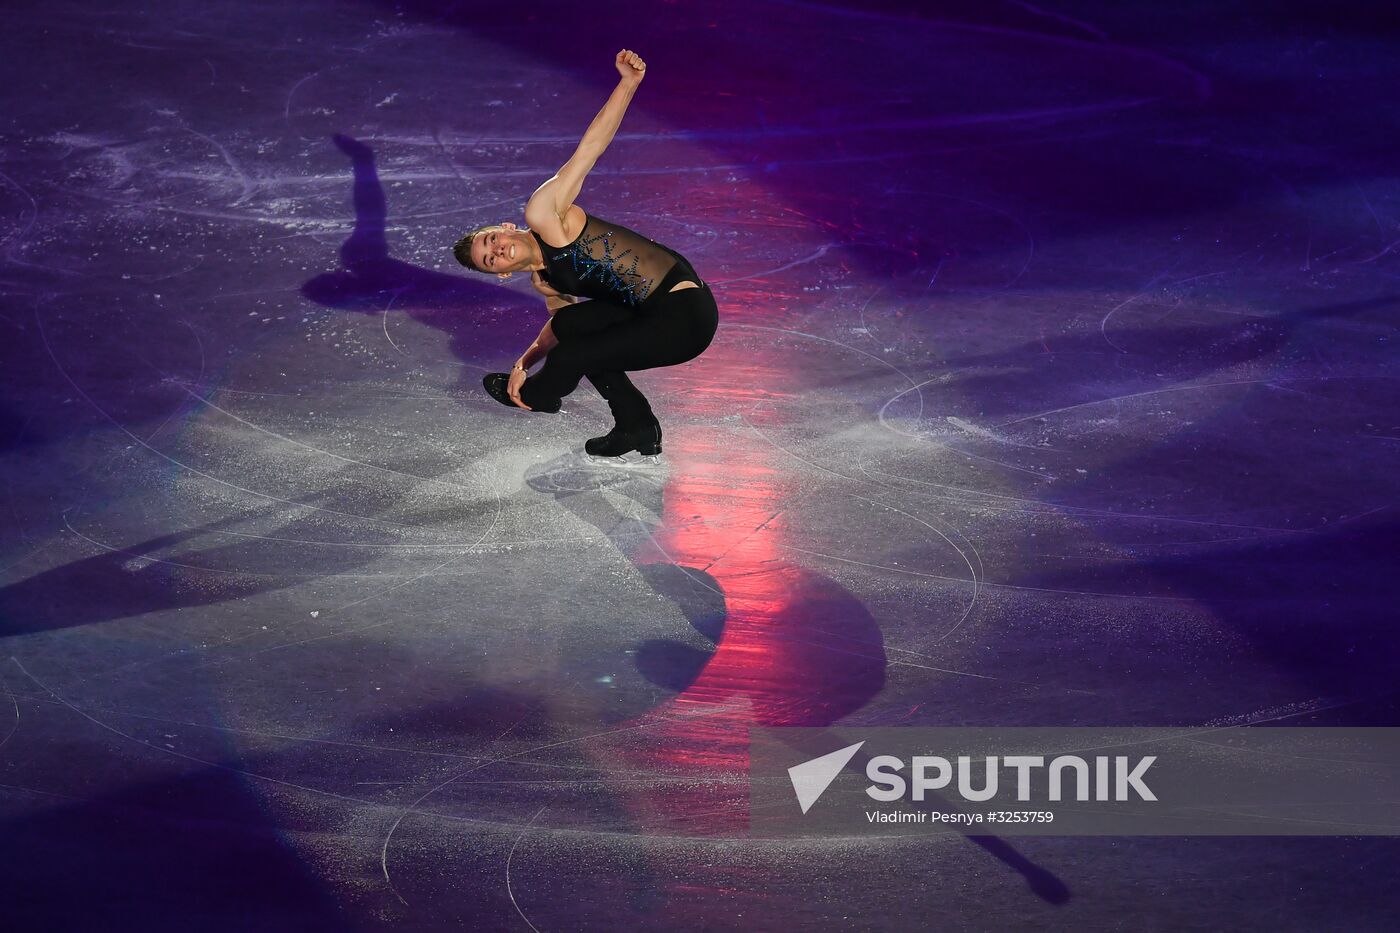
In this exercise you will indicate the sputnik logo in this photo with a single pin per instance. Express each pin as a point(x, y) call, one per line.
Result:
point(811, 778)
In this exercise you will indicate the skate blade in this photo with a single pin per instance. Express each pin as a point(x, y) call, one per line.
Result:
point(629, 459)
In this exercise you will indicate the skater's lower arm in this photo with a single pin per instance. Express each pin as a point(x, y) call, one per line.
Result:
point(604, 126)
point(545, 342)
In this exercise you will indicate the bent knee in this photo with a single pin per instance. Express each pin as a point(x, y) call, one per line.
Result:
point(566, 354)
point(563, 328)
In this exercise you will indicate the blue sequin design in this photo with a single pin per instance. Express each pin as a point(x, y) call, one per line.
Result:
point(628, 284)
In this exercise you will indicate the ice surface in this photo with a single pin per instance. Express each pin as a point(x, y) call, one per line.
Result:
point(1055, 384)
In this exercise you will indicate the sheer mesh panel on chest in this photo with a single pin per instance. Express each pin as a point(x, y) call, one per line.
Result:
point(610, 262)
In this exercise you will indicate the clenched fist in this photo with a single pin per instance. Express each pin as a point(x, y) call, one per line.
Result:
point(630, 66)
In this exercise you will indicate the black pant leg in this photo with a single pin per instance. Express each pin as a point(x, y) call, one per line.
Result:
point(629, 407)
point(588, 317)
point(641, 343)
point(673, 330)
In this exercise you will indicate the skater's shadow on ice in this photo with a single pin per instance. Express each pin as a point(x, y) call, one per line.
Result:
point(483, 320)
point(789, 648)
point(170, 571)
point(626, 504)
point(804, 651)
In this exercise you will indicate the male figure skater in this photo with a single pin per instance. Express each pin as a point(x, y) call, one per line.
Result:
point(618, 301)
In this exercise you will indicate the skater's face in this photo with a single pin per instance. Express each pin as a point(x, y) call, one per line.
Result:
point(501, 249)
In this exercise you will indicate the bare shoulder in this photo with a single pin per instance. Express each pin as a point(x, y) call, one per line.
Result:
point(555, 229)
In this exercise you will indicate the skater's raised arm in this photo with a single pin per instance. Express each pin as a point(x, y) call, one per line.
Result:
point(552, 200)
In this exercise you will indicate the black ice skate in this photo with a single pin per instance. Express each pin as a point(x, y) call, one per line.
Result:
point(638, 445)
point(496, 385)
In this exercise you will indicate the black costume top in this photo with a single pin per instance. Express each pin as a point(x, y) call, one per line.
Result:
point(607, 261)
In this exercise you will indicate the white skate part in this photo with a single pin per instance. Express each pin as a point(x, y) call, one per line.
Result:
point(632, 458)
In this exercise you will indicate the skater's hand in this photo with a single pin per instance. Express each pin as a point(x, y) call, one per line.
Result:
point(517, 379)
point(631, 67)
